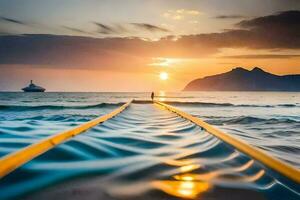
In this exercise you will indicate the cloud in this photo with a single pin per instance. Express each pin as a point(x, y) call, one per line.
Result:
point(150, 27)
point(105, 29)
point(188, 12)
point(180, 14)
point(227, 63)
point(280, 21)
point(77, 30)
point(117, 29)
point(13, 21)
point(279, 31)
point(166, 62)
point(193, 22)
point(61, 51)
point(230, 17)
point(3, 31)
point(263, 56)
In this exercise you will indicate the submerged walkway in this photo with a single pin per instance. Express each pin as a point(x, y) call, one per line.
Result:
point(144, 147)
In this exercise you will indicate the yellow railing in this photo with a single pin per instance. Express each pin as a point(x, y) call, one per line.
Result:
point(259, 155)
point(16, 159)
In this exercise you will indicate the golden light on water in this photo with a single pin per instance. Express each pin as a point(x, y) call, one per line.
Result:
point(162, 96)
point(184, 185)
point(186, 177)
point(164, 76)
point(188, 168)
point(182, 189)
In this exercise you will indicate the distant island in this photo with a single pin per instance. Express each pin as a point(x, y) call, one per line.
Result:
point(240, 79)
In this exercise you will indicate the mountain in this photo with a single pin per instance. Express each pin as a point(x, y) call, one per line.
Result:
point(240, 79)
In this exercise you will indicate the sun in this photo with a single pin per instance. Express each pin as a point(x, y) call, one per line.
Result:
point(163, 76)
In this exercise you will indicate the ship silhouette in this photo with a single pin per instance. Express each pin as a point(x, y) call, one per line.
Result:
point(33, 88)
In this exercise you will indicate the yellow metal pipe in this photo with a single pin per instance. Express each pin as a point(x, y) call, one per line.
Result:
point(16, 159)
point(259, 155)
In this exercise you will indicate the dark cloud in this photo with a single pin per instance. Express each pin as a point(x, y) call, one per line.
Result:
point(111, 29)
point(69, 51)
point(230, 17)
point(275, 31)
point(280, 31)
point(105, 29)
point(77, 30)
point(283, 20)
point(150, 27)
point(127, 28)
point(10, 20)
point(264, 56)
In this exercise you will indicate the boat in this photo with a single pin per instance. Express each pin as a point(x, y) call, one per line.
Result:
point(33, 88)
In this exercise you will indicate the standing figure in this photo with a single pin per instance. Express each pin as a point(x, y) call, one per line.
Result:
point(152, 96)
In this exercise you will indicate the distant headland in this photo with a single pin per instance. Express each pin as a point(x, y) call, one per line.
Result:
point(240, 79)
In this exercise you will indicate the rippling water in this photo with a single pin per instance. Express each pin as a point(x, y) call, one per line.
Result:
point(147, 152)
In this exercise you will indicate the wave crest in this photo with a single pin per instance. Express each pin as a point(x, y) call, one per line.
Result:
point(251, 120)
point(55, 107)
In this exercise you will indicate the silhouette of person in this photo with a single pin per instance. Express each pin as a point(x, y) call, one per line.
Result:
point(152, 96)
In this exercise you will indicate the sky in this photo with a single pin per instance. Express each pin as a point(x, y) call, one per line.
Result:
point(124, 45)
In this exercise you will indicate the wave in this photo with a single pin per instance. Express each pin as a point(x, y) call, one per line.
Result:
point(102, 105)
point(204, 104)
point(287, 105)
point(209, 104)
point(62, 118)
point(142, 142)
point(251, 120)
point(55, 107)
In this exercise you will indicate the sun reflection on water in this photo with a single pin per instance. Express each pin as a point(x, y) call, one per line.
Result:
point(161, 95)
point(183, 189)
point(183, 185)
point(188, 168)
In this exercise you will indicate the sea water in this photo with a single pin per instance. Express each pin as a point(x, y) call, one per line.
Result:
point(140, 144)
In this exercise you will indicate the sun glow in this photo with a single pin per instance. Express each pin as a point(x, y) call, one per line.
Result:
point(163, 76)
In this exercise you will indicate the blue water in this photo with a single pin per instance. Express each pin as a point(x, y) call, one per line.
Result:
point(149, 152)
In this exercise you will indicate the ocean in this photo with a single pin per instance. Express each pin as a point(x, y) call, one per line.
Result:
point(136, 148)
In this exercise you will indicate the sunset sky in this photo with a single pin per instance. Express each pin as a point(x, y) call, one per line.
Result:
point(125, 45)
